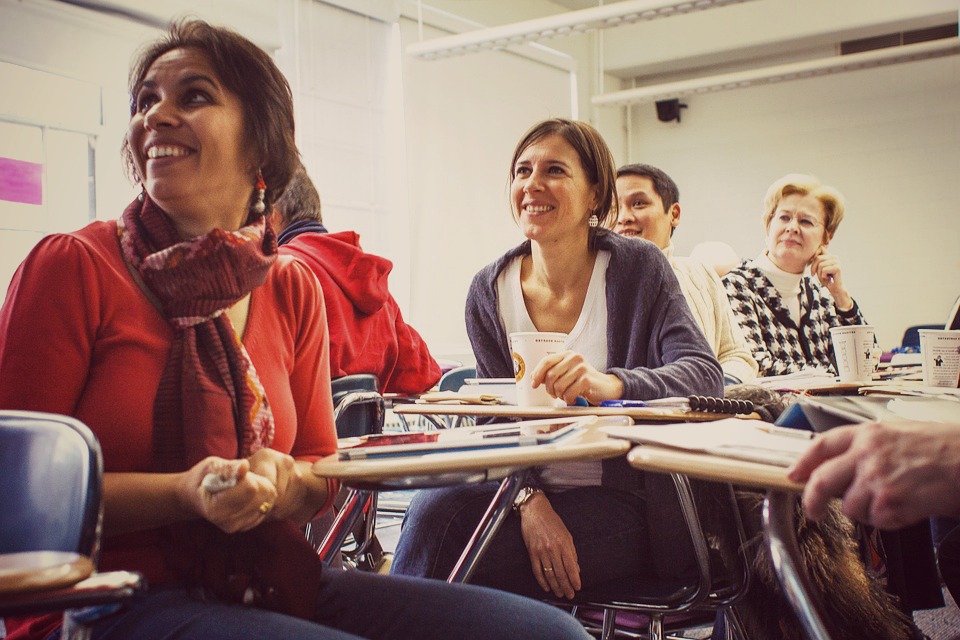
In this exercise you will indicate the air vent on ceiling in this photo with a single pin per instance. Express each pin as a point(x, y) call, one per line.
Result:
point(927, 34)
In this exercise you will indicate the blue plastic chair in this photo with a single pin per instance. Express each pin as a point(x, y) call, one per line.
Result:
point(50, 522)
point(455, 378)
point(50, 484)
point(452, 381)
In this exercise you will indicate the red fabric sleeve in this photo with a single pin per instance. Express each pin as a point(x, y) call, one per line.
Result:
point(416, 371)
point(48, 328)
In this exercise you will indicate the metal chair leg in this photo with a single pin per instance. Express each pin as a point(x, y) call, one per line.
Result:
point(343, 524)
point(733, 627)
point(656, 626)
point(491, 521)
point(780, 531)
point(609, 630)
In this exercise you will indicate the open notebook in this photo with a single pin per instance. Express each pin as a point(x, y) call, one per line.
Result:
point(752, 440)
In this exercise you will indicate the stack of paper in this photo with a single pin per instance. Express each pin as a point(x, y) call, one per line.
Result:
point(505, 388)
point(752, 440)
point(457, 397)
point(908, 388)
point(798, 380)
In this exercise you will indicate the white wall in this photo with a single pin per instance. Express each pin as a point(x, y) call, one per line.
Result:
point(347, 103)
point(887, 138)
point(68, 69)
point(64, 72)
point(463, 118)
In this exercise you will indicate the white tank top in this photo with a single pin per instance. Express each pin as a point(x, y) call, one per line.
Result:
point(588, 338)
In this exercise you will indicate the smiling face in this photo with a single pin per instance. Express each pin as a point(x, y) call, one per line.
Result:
point(796, 232)
point(187, 140)
point(641, 212)
point(551, 194)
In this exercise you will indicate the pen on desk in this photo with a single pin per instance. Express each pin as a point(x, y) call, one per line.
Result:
point(623, 403)
point(802, 434)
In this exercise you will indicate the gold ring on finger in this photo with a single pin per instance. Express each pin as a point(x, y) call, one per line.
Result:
point(265, 507)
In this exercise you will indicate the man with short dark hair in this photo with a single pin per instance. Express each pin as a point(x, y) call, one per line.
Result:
point(650, 209)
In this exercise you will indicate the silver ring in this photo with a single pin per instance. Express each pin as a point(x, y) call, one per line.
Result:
point(545, 569)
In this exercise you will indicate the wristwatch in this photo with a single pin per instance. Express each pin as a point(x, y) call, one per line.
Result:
point(523, 497)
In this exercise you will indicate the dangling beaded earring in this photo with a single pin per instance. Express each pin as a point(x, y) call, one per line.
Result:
point(593, 221)
point(259, 206)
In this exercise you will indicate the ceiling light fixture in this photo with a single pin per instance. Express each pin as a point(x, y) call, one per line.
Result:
point(572, 22)
point(781, 73)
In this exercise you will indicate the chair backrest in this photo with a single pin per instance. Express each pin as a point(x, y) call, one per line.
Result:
point(50, 480)
point(357, 404)
point(455, 378)
point(911, 336)
point(953, 320)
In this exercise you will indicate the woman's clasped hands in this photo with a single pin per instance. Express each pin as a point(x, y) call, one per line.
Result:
point(238, 495)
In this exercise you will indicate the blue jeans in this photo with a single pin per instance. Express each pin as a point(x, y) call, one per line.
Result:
point(350, 605)
point(607, 525)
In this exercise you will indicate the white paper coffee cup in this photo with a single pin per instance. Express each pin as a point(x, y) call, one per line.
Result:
point(856, 352)
point(529, 348)
point(940, 349)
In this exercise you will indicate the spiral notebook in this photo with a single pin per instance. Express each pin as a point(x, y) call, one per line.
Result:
point(705, 404)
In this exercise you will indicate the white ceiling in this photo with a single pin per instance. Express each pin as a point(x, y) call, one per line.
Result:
point(750, 34)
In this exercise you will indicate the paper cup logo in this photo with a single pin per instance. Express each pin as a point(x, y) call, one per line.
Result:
point(518, 367)
point(941, 357)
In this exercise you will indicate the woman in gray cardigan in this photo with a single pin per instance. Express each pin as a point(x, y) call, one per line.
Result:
point(630, 335)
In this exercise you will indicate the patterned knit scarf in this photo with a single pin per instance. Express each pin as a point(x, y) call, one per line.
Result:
point(210, 400)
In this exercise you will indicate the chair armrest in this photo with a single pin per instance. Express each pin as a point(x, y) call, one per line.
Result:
point(353, 398)
point(100, 588)
point(41, 570)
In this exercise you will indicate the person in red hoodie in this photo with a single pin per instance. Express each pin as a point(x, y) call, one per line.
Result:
point(367, 331)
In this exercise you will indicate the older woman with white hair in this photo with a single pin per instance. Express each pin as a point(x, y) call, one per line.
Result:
point(788, 297)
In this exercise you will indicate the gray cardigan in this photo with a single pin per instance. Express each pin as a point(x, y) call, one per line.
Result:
point(653, 345)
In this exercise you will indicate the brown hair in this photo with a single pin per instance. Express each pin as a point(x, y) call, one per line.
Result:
point(805, 185)
point(300, 201)
point(595, 158)
point(247, 71)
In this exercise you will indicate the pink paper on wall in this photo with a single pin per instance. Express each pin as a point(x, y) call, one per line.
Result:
point(21, 181)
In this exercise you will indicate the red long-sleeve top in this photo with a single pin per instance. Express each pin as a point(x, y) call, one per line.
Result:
point(78, 337)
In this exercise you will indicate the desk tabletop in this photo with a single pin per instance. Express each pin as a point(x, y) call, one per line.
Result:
point(710, 467)
point(639, 414)
point(591, 444)
point(41, 570)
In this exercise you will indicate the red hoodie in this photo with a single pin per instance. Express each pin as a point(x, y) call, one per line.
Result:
point(367, 332)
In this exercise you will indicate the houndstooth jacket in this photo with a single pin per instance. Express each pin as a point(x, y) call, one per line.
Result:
point(778, 346)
